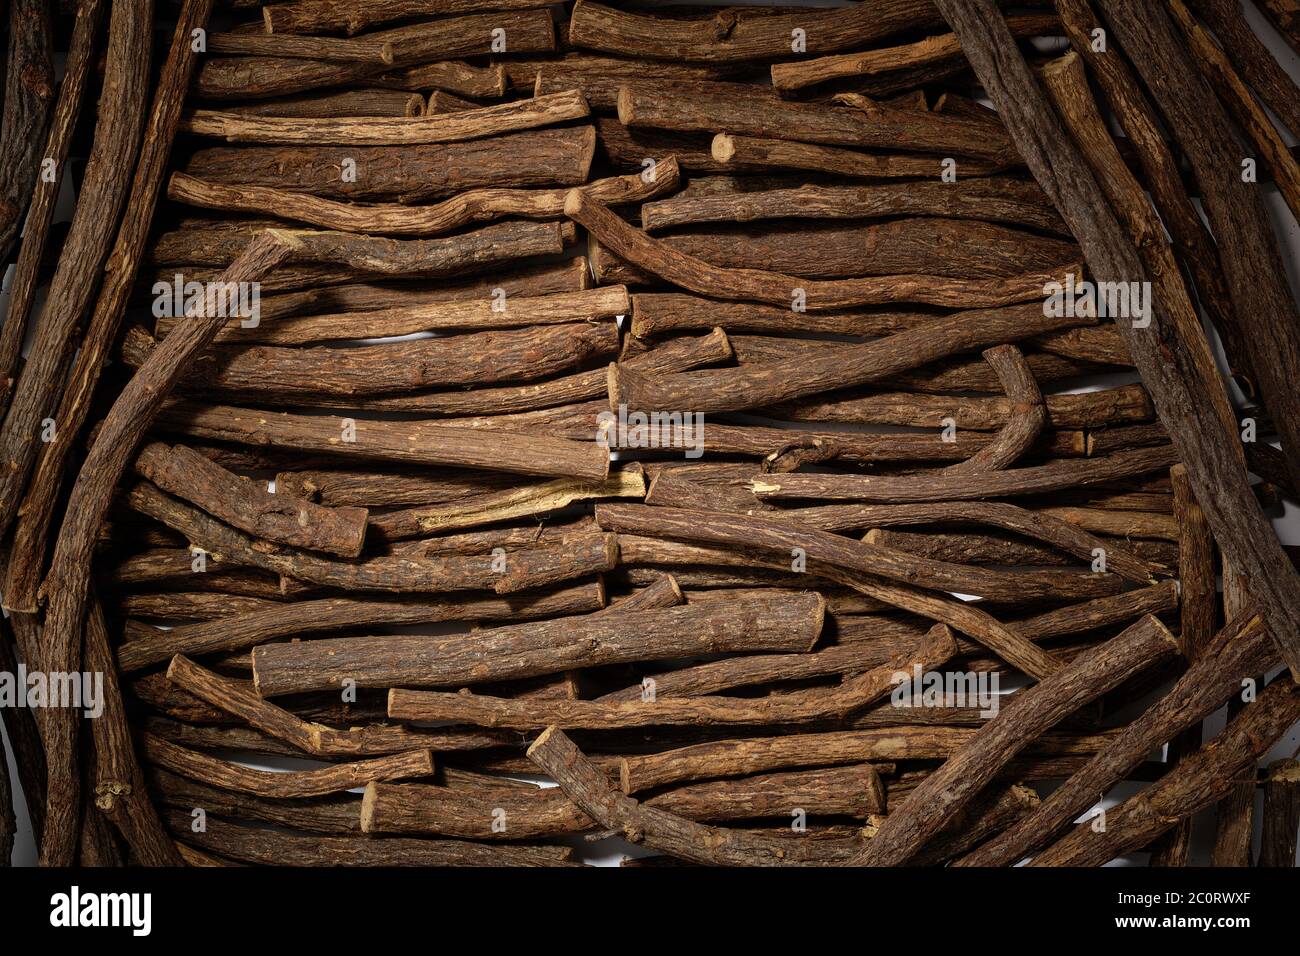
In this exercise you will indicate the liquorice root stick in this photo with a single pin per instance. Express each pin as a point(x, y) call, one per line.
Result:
point(1211, 454)
point(393, 219)
point(834, 557)
point(242, 631)
point(294, 783)
point(529, 568)
point(856, 693)
point(697, 275)
point(1200, 779)
point(1030, 713)
point(119, 791)
point(1277, 846)
point(417, 442)
point(99, 202)
point(68, 579)
point(183, 472)
point(789, 623)
point(587, 787)
point(1239, 651)
point(388, 131)
point(1035, 479)
point(36, 227)
point(1029, 414)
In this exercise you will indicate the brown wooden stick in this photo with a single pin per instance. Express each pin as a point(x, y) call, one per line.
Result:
point(544, 157)
point(36, 227)
point(1031, 712)
point(239, 632)
point(258, 845)
point(28, 98)
point(119, 786)
point(737, 34)
point(858, 692)
point(1027, 421)
point(1285, 17)
point(741, 757)
point(1211, 455)
point(420, 442)
point(387, 131)
point(830, 555)
point(39, 503)
point(372, 102)
point(1067, 85)
point(538, 499)
point(240, 700)
point(1203, 777)
point(475, 205)
point(1277, 846)
point(1240, 650)
point(1028, 585)
point(1113, 406)
point(239, 77)
point(326, 16)
point(839, 366)
point(185, 473)
point(1164, 177)
point(536, 567)
point(589, 305)
point(587, 787)
point(1017, 481)
point(99, 202)
point(697, 275)
point(364, 50)
point(92, 494)
point(730, 151)
point(1008, 201)
point(295, 783)
point(1039, 525)
point(783, 623)
point(822, 124)
point(938, 48)
point(1246, 110)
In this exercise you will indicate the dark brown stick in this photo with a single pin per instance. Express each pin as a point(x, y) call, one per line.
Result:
point(861, 691)
point(331, 614)
point(119, 787)
point(838, 366)
point(1200, 779)
point(1240, 650)
point(830, 554)
point(294, 783)
point(1211, 455)
point(387, 131)
point(481, 205)
point(28, 98)
point(545, 157)
point(108, 172)
point(739, 34)
point(92, 494)
point(505, 574)
point(185, 473)
point(419, 442)
point(1017, 481)
point(36, 227)
point(1277, 845)
point(781, 623)
point(326, 16)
